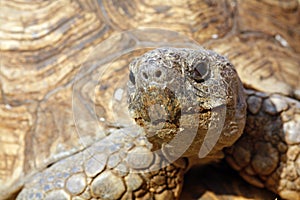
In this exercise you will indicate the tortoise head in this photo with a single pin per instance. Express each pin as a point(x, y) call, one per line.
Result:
point(193, 95)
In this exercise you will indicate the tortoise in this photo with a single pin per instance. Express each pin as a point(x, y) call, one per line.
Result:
point(43, 46)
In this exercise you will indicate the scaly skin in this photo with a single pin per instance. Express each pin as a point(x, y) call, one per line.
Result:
point(268, 153)
point(110, 169)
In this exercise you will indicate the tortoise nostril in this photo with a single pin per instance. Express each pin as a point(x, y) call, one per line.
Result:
point(158, 73)
point(145, 75)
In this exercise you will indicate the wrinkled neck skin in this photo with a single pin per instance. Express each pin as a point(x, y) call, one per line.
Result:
point(190, 102)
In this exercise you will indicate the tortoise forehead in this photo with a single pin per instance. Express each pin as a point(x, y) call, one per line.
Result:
point(175, 69)
point(179, 59)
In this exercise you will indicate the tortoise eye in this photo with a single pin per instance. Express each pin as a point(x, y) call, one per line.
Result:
point(200, 71)
point(131, 78)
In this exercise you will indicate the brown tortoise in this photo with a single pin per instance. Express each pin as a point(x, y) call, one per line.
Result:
point(43, 46)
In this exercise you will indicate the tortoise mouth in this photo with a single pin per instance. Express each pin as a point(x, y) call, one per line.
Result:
point(163, 115)
point(178, 117)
